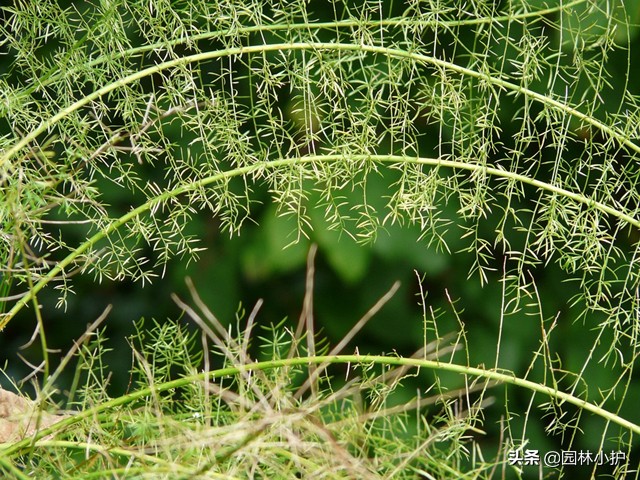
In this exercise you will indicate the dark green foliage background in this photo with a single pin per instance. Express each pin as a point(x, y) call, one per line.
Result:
point(234, 272)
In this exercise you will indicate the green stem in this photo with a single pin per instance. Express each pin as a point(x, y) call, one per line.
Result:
point(507, 378)
point(56, 74)
point(317, 46)
point(7, 465)
point(434, 162)
point(112, 450)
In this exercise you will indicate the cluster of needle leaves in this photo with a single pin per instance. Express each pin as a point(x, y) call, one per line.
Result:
point(506, 130)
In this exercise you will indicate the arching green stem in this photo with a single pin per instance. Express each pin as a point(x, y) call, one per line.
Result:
point(260, 166)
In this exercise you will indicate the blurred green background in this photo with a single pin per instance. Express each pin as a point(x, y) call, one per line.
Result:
point(234, 272)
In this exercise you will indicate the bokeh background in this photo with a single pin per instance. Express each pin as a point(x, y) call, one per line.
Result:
point(267, 260)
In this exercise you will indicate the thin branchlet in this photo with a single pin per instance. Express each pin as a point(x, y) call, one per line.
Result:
point(508, 130)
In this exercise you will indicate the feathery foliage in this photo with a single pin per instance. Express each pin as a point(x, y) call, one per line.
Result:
point(510, 130)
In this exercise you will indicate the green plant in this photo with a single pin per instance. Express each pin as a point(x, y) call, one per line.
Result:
point(509, 132)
